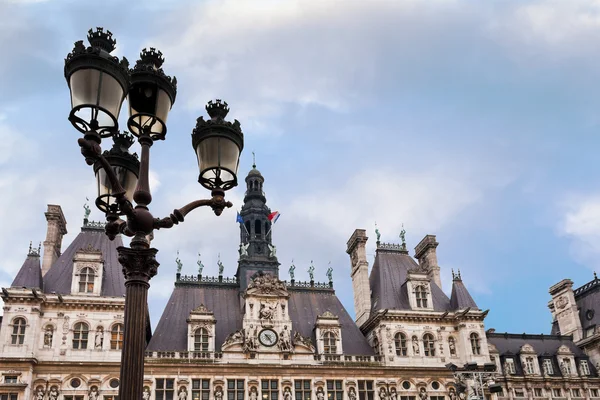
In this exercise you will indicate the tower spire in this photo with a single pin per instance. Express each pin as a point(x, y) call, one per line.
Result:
point(253, 160)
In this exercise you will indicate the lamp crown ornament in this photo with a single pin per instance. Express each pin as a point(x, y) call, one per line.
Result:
point(217, 109)
point(152, 57)
point(102, 39)
point(124, 140)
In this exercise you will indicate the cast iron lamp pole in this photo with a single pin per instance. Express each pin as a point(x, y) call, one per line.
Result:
point(99, 84)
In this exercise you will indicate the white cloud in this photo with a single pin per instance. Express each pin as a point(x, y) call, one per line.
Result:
point(581, 222)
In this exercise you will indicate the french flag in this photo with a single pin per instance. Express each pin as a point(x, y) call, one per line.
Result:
point(273, 217)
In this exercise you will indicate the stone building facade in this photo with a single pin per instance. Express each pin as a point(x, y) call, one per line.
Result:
point(258, 336)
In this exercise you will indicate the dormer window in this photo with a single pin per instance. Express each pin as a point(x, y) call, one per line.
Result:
point(86, 280)
point(429, 345)
point(529, 367)
point(584, 367)
point(548, 368)
point(566, 366)
point(475, 344)
point(201, 339)
point(329, 343)
point(509, 366)
point(421, 296)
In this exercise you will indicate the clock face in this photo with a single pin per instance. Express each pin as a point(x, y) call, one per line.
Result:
point(267, 337)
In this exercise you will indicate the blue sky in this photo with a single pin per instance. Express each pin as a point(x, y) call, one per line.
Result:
point(474, 121)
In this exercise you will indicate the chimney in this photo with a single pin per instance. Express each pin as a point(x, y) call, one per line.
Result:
point(57, 227)
point(564, 309)
point(360, 275)
point(426, 254)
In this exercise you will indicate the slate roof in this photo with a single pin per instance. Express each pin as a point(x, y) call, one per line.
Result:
point(388, 283)
point(58, 279)
point(460, 297)
point(587, 298)
point(30, 274)
point(224, 301)
point(545, 346)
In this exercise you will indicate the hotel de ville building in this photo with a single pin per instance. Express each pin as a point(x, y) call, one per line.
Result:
point(256, 336)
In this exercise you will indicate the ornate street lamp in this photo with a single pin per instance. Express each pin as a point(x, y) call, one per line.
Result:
point(99, 83)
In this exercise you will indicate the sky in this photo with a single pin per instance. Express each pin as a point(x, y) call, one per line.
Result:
point(478, 122)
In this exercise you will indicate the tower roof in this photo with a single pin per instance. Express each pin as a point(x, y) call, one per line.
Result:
point(30, 274)
point(460, 297)
point(254, 173)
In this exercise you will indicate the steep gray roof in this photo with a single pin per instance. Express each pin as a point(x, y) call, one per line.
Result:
point(388, 283)
point(545, 346)
point(30, 274)
point(58, 279)
point(224, 301)
point(587, 298)
point(460, 297)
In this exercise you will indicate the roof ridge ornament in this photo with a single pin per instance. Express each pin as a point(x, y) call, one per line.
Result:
point(34, 252)
point(179, 263)
point(253, 160)
point(456, 276)
point(377, 233)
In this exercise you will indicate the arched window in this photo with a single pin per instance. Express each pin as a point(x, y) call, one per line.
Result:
point(116, 337)
point(429, 345)
point(86, 280)
point(475, 344)
point(18, 333)
point(400, 342)
point(201, 339)
point(421, 296)
point(80, 335)
point(257, 227)
point(329, 345)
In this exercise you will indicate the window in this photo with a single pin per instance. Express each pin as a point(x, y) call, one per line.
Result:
point(406, 385)
point(566, 366)
point(421, 296)
point(164, 389)
point(576, 392)
point(75, 383)
point(302, 388)
point(435, 385)
point(475, 344)
point(538, 392)
point(556, 392)
point(200, 389)
point(365, 390)
point(18, 331)
point(235, 389)
point(335, 390)
point(86, 280)
point(509, 366)
point(584, 367)
point(270, 389)
point(114, 383)
point(80, 336)
point(73, 397)
point(529, 367)
point(9, 396)
point(329, 346)
point(519, 392)
point(116, 337)
point(110, 397)
point(593, 392)
point(428, 345)
point(548, 368)
point(10, 379)
point(400, 342)
point(257, 227)
point(408, 397)
point(589, 332)
point(437, 397)
point(201, 339)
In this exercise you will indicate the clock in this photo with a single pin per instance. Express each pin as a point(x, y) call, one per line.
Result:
point(267, 337)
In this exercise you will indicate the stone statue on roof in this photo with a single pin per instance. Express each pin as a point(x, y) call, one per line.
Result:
point(330, 273)
point(272, 250)
point(244, 249)
point(311, 271)
point(220, 264)
point(377, 232)
point(292, 269)
point(200, 265)
point(403, 235)
point(179, 263)
point(86, 209)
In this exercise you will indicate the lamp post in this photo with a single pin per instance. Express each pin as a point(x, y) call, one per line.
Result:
point(99, 83)
point(473, 379)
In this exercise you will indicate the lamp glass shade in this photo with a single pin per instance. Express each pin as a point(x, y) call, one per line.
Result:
point(218, 161)
point(96, 95)
point(127, 178)
point(147, 104)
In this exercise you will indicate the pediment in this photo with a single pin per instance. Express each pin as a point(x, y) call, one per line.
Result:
point(266, 285)
point(527, 349)
point(564, 350)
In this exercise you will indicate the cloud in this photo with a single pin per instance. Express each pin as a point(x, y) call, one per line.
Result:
point(581, 223)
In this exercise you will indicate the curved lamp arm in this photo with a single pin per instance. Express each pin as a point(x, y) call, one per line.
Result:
point(217, 203)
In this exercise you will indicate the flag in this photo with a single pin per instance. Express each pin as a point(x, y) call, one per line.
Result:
point(239, 218)
point(273, 217)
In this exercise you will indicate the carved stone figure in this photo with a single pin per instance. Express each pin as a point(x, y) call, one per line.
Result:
point(292, 269)
point(251, 339)
point(48, 334)
point(285, 339)
point(99, 339)
point(393, 394)
point(146, 394)
point(329, 274)
point(93, 394)
point(287, 393)
point(423, 394)
point(377, 232)
point(311, 271)
point(304, 341)
point(253, 393)
point(563, 368)
point(403, 235)
point(383, 394)
point(244, 249)
point(182, 393)
point(267, 311)
point(415, 345)
point(351, 394)
point(266, 283)
point(452, 346)
point(219, 393)
point(562, 302)
point(452, 394)
point(200, 265)
point(320, 394)
point(53, 395)
point(221, 267)
point(39, 394)
point(272, 250)
point(235, 337)
point(179, 263)
point(87, 210)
